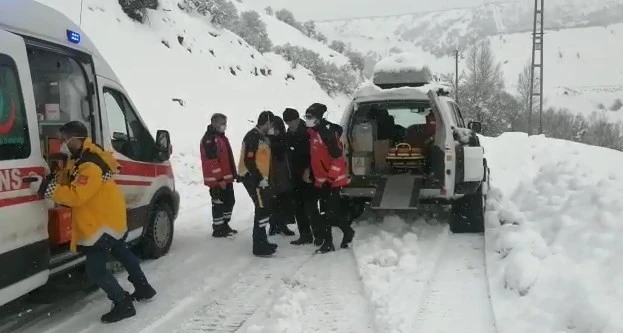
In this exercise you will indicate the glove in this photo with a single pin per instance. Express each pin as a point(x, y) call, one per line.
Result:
point(49, 179)
point(264, 183)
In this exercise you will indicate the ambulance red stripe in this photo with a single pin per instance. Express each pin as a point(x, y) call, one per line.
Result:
point(19, 200)
point(131, 168)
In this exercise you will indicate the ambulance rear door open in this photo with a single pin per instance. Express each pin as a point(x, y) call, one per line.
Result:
point(24, 244)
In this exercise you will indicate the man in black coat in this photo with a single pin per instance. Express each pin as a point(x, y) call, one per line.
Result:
point(305, 197)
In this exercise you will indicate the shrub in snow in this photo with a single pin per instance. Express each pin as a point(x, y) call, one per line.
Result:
point(253, 30)
point(338, 46)
point(618, 105)
point(331, 78)
point(287, 17)
point(356, 60)
point(137, 9)
point(322, 38)
point(222, 12)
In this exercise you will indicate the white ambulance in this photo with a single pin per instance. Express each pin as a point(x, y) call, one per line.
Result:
point(51, 73)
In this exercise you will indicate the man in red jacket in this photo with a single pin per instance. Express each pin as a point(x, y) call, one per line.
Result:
point(219, 173)
point(330, 173)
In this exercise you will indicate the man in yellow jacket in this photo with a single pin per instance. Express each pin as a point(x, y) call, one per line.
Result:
point(253, 172)
point(99, 224)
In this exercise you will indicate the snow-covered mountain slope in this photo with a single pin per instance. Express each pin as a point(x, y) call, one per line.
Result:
point(211, 70)
point(553, 235)
point(281, 33)
point(582, 64)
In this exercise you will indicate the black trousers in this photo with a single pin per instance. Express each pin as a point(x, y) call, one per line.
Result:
point(282, 209)
point(223, 201)
point(262, 200)
point(95, 265)
point(306, 210)
point(330, 204)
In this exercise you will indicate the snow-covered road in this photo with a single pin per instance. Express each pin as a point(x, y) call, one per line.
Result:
point(399, 277)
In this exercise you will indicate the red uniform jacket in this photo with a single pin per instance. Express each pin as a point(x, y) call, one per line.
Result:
point(217, 159)
point(327, 159)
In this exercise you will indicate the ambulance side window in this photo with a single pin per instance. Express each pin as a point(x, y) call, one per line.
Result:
point(14, 135)
point(129, 137)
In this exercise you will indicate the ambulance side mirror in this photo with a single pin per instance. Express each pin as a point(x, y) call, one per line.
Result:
point(163, 144)
point(475, 126)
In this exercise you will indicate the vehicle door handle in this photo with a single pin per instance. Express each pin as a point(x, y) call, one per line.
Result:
point(30, 179)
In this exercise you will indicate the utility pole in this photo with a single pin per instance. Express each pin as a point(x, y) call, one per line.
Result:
point(537, 47)
point(456, 75)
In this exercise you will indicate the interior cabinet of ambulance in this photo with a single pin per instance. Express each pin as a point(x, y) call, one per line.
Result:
point(60, 91)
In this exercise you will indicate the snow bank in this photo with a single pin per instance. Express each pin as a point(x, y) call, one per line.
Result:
point(553, 235)
point(178, 56)
point(394, 259)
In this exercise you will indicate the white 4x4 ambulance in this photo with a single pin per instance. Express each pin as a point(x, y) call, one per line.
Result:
point(408, 144)
point(51, 73)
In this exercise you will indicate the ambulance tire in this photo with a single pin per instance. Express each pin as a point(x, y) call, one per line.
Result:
point(468, 213)
point(158, 237)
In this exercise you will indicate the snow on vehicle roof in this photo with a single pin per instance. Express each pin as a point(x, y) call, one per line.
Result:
point(401, 62)
point(368, 92)
point(33, 19)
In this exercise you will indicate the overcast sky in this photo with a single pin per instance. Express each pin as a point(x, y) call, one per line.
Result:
point(327, 9)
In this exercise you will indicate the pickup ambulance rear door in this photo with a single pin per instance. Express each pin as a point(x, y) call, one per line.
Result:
point(24, 245)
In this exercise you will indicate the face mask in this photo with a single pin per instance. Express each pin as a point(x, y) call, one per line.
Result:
point(310, 122)
point(271, 131)
point(64, 149)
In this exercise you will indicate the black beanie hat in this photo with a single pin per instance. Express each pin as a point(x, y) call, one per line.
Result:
point(316, 110)
point(265, 117)
point(290, 114)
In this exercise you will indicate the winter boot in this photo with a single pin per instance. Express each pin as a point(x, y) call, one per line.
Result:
point(304, 239)
point(327, 246)
point(264, 250)
point(231, 231)
point(286, 231)
point(120, 310)
point(221, 231)
point(273, 230)
point(318, 241)
point(349, 234)
point(143, 291)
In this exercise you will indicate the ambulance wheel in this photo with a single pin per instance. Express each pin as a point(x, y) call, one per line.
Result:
point(468, 213)
point(158, 238)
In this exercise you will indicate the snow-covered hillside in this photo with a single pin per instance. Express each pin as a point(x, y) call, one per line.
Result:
point(211, 70)
point(582, 67)
point(553, 235)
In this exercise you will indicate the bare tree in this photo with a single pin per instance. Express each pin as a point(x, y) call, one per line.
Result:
point(483, 81)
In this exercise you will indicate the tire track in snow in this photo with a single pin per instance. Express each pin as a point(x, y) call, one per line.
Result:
point(233, 304)
point(458, 291)
point(335, 295)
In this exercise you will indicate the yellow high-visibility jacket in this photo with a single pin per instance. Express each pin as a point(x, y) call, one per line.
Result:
point(86, 185)
point(255, 156)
